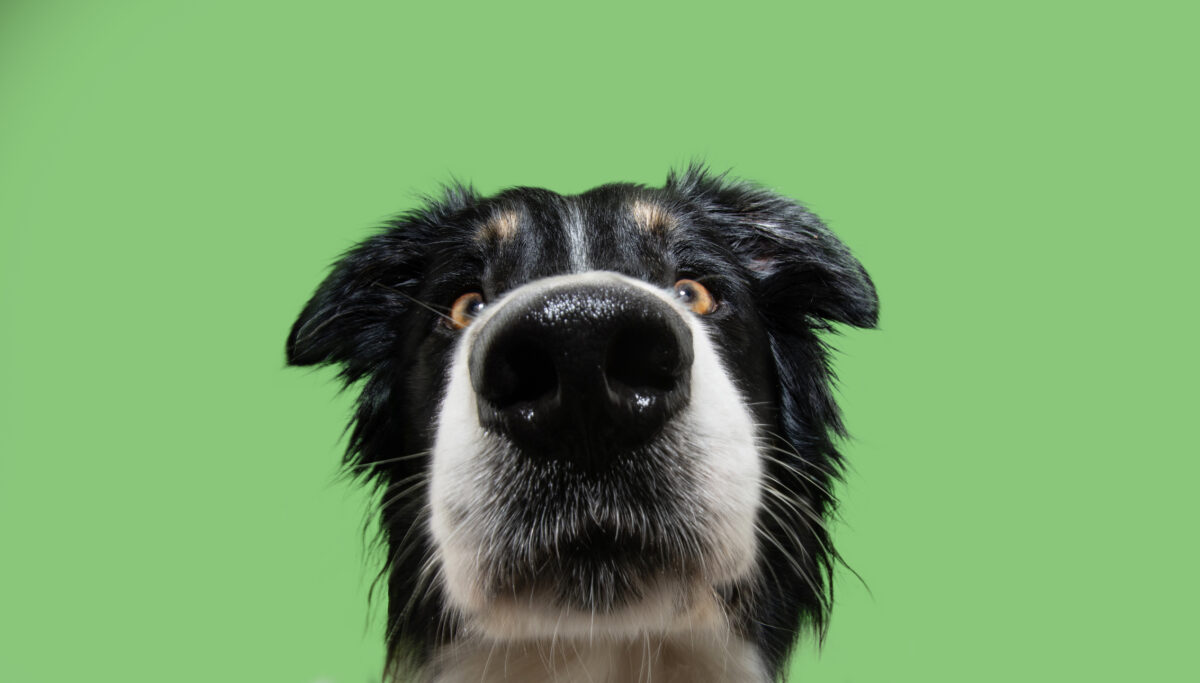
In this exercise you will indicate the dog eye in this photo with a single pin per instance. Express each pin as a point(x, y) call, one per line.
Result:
point(465, 309)
point(695, 296)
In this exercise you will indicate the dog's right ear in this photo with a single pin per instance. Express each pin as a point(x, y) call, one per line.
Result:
point(352, 317)
point(356, 316)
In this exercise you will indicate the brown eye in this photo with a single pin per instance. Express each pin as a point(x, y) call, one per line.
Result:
point(695, 296)
point(464, 310)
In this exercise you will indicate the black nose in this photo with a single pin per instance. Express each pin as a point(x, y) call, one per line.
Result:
point(579, 370)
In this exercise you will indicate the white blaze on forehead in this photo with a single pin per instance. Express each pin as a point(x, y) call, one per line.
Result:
point(576, 232)
point(716, 423)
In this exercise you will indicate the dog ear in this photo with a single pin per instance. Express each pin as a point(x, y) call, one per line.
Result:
point(356, 315)
point(799, 263)
point(351, 318)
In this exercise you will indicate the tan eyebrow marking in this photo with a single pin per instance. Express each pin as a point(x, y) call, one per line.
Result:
point(501, 226)
point(651, 217)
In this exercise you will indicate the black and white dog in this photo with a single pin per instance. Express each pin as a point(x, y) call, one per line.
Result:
point(601, 426)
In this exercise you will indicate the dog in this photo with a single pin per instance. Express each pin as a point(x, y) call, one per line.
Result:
point(601, 427)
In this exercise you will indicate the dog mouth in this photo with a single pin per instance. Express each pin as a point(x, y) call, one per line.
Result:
point(597, 568)
point(592, 538)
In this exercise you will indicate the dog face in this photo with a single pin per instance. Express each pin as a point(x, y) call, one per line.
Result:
point(606, 412)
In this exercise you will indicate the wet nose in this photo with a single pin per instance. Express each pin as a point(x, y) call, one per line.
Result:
point(580, 369)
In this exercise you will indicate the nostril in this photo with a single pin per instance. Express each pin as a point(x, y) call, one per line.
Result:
point(519, 371)
point(644, 356)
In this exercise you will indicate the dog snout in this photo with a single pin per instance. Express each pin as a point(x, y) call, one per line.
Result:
point(603, 364)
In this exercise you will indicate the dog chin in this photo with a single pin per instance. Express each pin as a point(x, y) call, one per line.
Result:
point(641, 545)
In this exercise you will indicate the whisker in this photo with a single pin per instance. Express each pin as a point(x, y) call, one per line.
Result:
point(388, 461)
point(800, 571)
point(415, 300)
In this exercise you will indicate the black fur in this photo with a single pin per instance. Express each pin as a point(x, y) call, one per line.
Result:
point(782, 279)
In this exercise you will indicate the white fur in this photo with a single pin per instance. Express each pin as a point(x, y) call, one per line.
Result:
point(695, 658)
point(576, 234)
point(676, 618)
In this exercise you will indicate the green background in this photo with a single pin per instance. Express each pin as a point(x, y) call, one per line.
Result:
point(176, 176)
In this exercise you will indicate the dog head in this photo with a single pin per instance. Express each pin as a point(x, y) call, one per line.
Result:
point(605, 412)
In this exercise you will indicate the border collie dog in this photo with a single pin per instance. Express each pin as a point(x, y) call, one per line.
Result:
point(601, 427)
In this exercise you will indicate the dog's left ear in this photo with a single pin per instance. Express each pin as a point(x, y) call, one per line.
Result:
point(800, 265)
